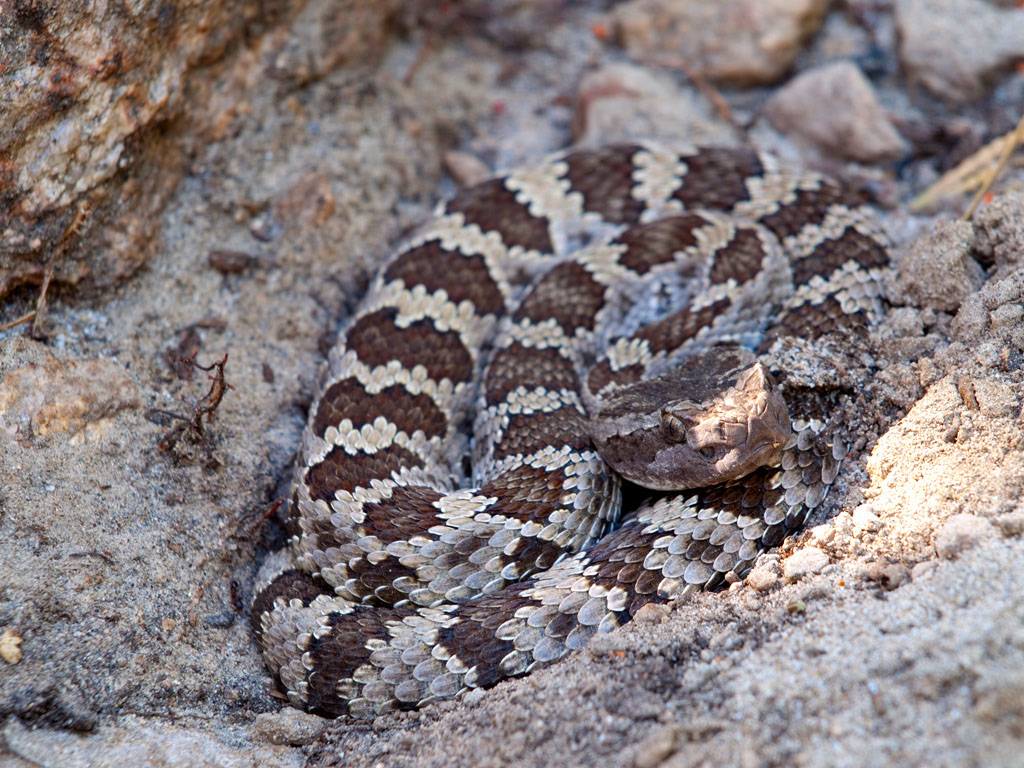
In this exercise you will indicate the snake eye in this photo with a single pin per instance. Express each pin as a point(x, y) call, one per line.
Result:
point(673, 426)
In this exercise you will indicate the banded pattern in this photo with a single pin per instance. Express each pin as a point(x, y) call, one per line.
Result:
point(526, 303)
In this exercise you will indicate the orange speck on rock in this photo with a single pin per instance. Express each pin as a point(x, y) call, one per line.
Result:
point(600, 30)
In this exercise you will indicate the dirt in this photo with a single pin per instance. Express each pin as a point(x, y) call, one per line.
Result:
point(890, 632)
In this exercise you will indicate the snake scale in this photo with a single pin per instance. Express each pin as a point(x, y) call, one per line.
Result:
point(455, 516)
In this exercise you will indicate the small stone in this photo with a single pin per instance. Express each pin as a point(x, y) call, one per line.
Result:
point(230, 262)
point(10, 647)
point(823, 534)
point(865, 518)
point(1011, 524)
point(219, 620)
point(923, 570)
point(960, 533)
point(888, 576)
point(804, 562)
point(656, 747)
point(996, 399)
point(474, 696)
point(739, 42)
point(262, 228)
point(466, 169)
point(999, 230)
point(1006, 316)
point(289, 726)
point(620, 102)
point(763, 577)
point(652, 613)
point(835, 109)
point(953, 47)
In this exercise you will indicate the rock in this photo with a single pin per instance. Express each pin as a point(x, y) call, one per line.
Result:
point(986, 316)
point(652, 613)
point(87, 166)
point(996, 399)
point(736, 42)
point(10, 647)
point(866, 519)
point(763, 577)
point(656, 747)
point(960, 533)
point(952, 47)
point(1011, 524)
point(72, 396)
point(465, 169)
point(888, 576)
point(289, 726)
point(835, 109)
point(999, 230)
point(938, 270)
point(623, 102)
point(804, 562)
point(156, 746)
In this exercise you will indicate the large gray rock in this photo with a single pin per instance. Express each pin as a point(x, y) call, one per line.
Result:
point(835, 109)
point(953, 47)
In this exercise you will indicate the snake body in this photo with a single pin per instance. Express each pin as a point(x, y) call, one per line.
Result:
point(556, 310)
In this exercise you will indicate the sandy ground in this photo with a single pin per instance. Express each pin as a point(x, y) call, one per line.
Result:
point(891, 632)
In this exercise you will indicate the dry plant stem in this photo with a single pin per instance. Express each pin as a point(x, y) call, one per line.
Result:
point(84, 209)
point(205, 406)
point(1012, 141)
point(18, 321)
point(971, 173)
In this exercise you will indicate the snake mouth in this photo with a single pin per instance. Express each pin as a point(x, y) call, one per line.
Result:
point(735, 445)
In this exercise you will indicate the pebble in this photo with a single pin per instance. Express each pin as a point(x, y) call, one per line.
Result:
point(622, 101)
point(289, 726)
point(835, 109)
point(656, 747)
point(954, 47)
point(960, 533)
point(466, 169)
point(735, 42)
point(888, 576)
point(474, 696)
point(652, 613)
point(804, 562)
point(10, 647)
point(763, 578)
point(865, 518)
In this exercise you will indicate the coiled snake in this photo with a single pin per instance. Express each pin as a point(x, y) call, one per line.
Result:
point(589, 312)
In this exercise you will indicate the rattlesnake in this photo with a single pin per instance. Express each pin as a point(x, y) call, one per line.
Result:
point(529, 302)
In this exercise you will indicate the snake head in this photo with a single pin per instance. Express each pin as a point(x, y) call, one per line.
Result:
point(718, 417)
point(735, 433)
